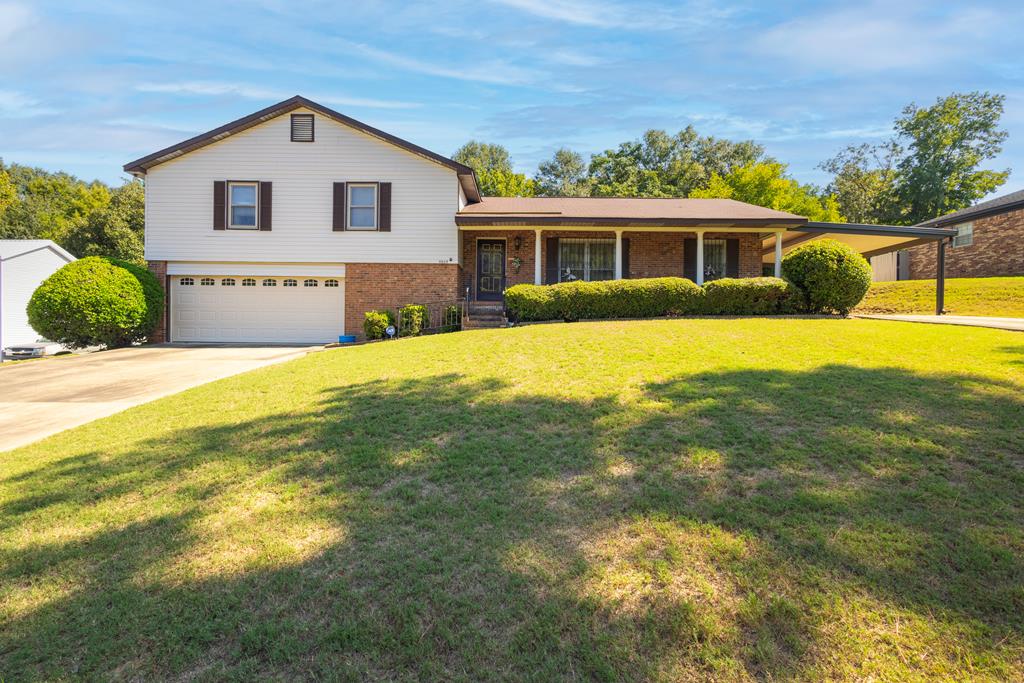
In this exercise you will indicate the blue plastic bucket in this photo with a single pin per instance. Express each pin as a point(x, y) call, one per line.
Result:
point(346, 338)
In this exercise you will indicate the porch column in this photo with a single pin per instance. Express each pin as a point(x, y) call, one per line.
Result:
point(618, 254)
point(537, 278)
point(700, 257)
point(778, 254)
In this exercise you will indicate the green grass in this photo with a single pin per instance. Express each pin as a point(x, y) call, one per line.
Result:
point(662, 500)
point(1001, 297)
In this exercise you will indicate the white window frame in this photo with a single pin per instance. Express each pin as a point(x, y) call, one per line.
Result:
point(232, 184)
point(964, 230)
point(349, 206)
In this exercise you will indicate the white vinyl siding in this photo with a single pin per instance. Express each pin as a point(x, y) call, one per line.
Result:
point(26, 263)
point(179, 200)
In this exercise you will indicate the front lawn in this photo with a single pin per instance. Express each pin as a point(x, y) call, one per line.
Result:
point(657, 500)
point(1001, 297)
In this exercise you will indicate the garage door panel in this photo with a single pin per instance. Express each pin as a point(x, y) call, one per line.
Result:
point(225, 313)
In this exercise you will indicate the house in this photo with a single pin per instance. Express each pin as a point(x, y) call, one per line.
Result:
point(289, 224)
point(24, 264)
point(989, 241)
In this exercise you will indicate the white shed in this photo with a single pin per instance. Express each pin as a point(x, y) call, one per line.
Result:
point(24, 264)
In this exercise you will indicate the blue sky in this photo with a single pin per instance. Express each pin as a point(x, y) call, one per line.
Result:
point(88, 86)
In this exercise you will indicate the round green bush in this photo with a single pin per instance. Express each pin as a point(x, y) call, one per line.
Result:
point(414, 319)
point(375, 323)
point(832, 276)
point(97, 301)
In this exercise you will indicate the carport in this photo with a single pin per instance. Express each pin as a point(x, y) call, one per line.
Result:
point(868, 240)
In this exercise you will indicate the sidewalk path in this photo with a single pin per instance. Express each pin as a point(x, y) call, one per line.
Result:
point(1015, 324)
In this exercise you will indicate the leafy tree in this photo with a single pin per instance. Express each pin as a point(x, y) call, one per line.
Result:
point(498, 183)
point(48, 205)
point(663, 165)
point(8, 194)
point(563, 175)
point(765, 184)
point(113, 230)
point(930, 166)
point(483, 156)
point(946, 143)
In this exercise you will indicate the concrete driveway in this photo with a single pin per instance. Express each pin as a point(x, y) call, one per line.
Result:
point(40, 398)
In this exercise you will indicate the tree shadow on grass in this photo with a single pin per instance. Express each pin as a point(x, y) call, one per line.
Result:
point(456, 529)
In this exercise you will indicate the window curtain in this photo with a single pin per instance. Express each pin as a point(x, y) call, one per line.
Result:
point(586, 259)
point(714, 259)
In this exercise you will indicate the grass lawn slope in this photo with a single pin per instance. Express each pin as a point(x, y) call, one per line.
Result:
point(661, 500)
point(1001, 297)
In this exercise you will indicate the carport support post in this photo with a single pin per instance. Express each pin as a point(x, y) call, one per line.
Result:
point(778, 254)
point(940, 277)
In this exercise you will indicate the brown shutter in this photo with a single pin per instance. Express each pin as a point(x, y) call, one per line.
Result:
point(266, 205)
point(625, 258)
point(384, 207)
point(732, 258)
point(551, 274)
point(220, 190)
point(339, 207)
point(690, 259)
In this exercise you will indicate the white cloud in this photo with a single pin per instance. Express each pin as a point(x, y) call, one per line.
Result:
point(611, 15)
point(16, 105)
point(880, 37)
point(496, 72)
point(213, 88)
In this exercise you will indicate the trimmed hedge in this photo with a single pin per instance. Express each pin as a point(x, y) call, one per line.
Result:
point(647, 298)
point(651, 298)
point(97, 301)
point(375, 323)
point(832, 277)
point(751, 296)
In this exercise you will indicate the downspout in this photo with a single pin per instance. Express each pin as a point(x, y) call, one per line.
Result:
point(940, 276)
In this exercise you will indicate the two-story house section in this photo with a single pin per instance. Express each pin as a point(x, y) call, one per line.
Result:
point(288, 224)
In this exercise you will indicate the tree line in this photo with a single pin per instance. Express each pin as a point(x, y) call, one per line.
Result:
point(87, 219)
point(930, 166)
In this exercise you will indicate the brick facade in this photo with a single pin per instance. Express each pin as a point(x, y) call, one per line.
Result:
point(370, 286)
point(997, 249)
point(159, 269)
point(651, 254)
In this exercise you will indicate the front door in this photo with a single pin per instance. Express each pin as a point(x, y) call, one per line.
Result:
point(490, 269)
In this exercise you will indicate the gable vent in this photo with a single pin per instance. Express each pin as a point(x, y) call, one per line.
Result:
point(302, 128)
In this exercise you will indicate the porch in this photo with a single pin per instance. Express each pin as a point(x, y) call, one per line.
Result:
point(495, 259)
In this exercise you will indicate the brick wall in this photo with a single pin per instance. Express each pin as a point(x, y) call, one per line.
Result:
point(370, 286)
point(651, 254)
point(998, 249)
point(159, 269)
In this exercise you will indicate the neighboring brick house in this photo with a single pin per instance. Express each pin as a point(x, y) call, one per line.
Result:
point(989, 241)
point(289, 224)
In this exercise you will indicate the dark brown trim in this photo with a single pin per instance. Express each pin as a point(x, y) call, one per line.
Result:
point(467, 178)
point(971, 214)
point(312, 126)
point(220, 203)
point(879, 230)
point(265, 206)
point(338, 218)
point(472, 220)
point(384, 207)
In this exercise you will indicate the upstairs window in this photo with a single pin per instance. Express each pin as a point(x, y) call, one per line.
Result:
point(362, 206)
point(964, 235)
point(242, 200)
point(302, 128)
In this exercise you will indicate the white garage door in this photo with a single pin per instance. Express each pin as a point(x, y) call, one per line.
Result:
point(232, 308)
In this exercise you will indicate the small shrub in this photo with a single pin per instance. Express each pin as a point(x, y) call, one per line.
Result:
point(375, 323)
point(751, 296)
point(832, 277)
point(452, 319)
point(97, 301)
point(646, 298)
point(413, 319)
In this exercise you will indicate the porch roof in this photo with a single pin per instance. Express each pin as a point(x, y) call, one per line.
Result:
point(621, 212)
